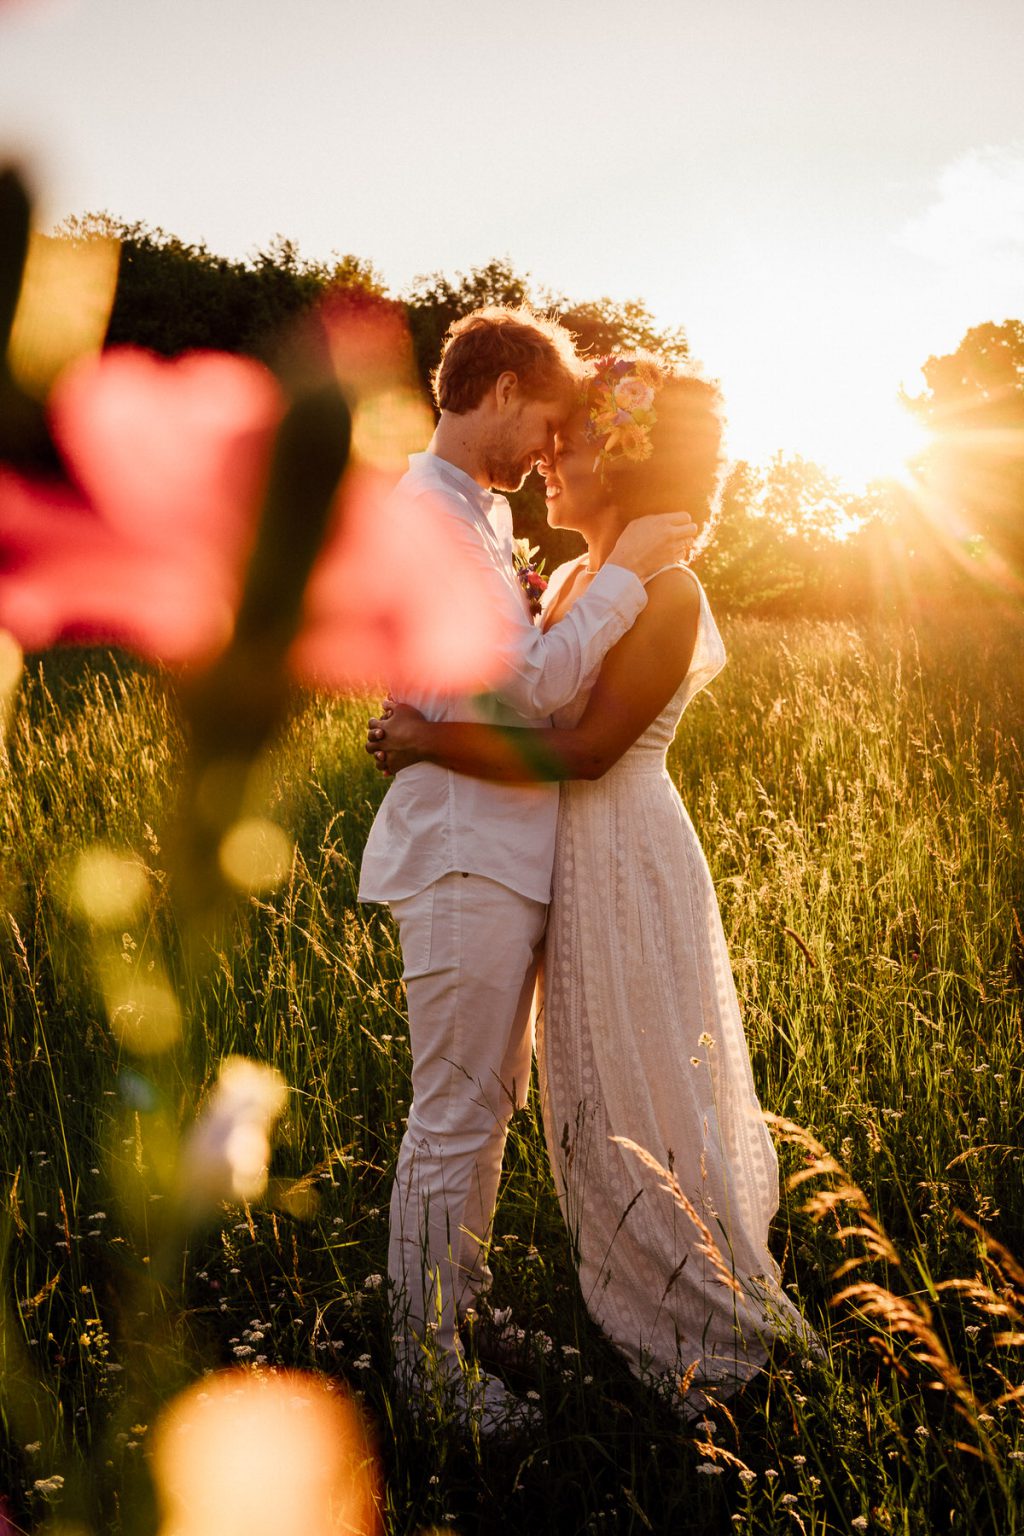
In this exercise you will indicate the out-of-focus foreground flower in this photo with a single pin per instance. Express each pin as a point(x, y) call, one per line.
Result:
point(226, 1152)
point(134, 489)
point(145, 543)
point(245, 1453)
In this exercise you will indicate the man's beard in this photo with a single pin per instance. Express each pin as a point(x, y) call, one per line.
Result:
point(507, 474)
point(507, 465)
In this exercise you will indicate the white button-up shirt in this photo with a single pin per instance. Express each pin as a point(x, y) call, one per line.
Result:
point(432, 821)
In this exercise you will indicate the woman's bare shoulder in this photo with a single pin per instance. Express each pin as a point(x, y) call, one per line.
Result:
point(674, 589)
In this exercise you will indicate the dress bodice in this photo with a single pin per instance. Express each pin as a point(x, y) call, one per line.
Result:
point(648, 751)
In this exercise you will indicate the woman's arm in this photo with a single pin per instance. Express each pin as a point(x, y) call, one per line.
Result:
point(639, 676)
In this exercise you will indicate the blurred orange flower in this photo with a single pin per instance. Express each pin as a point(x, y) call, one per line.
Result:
point(264, 1453)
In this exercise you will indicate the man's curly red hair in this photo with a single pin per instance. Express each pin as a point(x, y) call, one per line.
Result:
point(496, 340)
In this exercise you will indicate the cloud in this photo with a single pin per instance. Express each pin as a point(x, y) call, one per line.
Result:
point(977, 213)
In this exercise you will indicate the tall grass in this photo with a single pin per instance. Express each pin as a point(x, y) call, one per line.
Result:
point(859, 797)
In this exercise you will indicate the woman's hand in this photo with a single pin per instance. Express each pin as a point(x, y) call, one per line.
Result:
point(393, 740)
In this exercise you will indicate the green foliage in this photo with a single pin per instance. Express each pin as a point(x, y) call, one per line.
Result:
point(857, 792)
point(173, 297)
point(974, 403)
point(435, 301)
point(605, 325)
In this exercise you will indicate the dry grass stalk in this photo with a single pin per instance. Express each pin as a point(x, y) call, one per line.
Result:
point(903, 1317)
point(670, 1184)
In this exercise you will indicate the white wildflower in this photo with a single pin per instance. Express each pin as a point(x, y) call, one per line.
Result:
point(373, 1282)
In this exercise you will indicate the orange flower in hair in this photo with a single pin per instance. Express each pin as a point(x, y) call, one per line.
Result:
point(619, 397)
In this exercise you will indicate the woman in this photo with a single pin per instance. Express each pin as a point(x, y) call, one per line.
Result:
point(666, 1173)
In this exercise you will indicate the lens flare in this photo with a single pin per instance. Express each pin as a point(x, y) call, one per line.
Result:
point(67, 293)
point(12, 663)
point(142, 1010)
point(107, 888)
point(259, 1453)
point(225, 1154)
point(255, 855)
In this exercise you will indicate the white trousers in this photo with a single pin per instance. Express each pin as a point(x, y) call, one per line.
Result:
point(470, 949)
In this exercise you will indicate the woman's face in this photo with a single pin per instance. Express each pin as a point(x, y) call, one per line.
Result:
point(575, 493)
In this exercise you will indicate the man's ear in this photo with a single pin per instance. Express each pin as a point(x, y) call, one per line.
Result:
point(505, 388)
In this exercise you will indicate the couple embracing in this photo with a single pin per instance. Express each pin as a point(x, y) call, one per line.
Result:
point(553, 828)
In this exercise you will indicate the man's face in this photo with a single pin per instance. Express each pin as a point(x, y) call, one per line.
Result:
point(523, 433)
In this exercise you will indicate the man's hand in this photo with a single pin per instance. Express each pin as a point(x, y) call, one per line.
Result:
point(391, 740)
point(649, 543)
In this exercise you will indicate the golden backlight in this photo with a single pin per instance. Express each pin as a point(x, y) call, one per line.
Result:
point(854, 426)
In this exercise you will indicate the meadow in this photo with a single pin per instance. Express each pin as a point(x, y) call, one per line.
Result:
point(858, 792)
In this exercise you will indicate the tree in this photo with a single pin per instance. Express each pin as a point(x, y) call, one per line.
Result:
point(174, 297)
point(606, 325)
point(435, 301)
point(973, 475)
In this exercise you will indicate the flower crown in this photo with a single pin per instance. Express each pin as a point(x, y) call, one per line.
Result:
point(619, 398)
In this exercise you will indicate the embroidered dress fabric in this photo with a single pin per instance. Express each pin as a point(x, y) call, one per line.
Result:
point(641, 1038)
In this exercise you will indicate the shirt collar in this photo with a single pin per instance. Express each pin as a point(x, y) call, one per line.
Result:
point(482, 500)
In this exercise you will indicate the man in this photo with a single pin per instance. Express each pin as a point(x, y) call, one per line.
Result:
point(465, 865)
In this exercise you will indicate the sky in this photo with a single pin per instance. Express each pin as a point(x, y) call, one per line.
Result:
point(823, 193)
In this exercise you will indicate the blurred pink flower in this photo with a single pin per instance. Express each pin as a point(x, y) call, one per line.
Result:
point(389, 600)
point(145, 545)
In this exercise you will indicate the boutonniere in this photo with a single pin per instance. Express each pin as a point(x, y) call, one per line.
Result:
point(529, 572)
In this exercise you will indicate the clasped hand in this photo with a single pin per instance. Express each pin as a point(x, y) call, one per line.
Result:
point(389, 737)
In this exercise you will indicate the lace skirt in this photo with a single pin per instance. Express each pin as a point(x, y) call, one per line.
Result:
point(666, 1171)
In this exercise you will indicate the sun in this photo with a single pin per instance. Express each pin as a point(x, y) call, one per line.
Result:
point(880, 440)
point(857, 429)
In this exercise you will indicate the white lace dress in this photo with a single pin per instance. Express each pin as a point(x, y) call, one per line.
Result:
point(640, 1038)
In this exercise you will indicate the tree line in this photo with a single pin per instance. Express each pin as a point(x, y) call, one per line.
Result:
point(953, 534)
